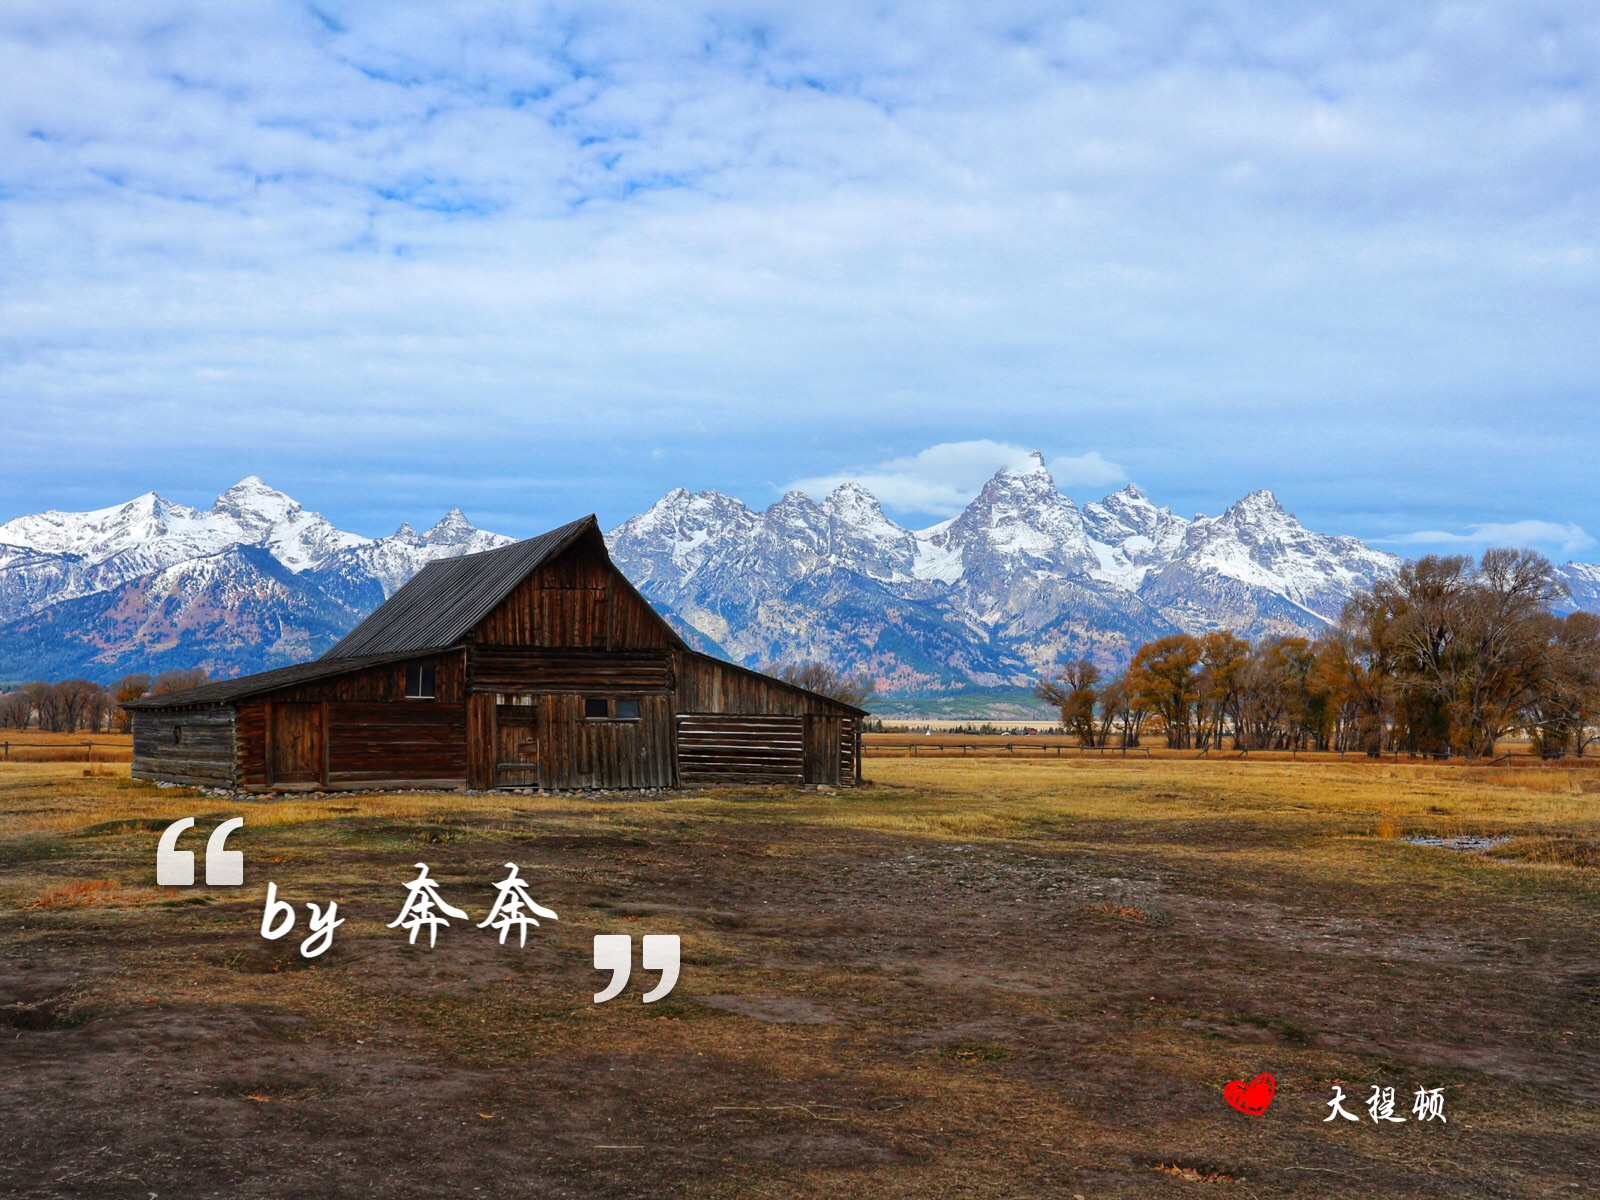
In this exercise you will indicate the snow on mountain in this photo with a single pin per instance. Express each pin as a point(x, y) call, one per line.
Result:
point(1131, 535)
point(1257, 568)
point(671, 541)
point(1583, 586)
point(1019, 522)
point(239, 609)
point(264, 516)
point(52, 559)
point(367, 573)
point(1016, 581)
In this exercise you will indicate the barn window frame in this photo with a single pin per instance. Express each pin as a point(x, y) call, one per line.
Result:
point(605, 708)
point(421, 679)
point(177, 734)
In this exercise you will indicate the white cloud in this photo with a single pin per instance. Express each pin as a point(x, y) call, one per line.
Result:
point(942, 479)
point(344, 239)
point(1086, 470)
point(1568, 538)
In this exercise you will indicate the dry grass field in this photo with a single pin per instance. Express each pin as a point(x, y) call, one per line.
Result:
point(975, 978)
point(33, 745)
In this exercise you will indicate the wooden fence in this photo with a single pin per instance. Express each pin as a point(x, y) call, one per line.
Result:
point(14, 750)
point(900, 746)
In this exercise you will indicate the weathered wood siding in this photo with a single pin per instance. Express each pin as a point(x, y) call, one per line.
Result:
point(597, 672)
point(370, 734)
point(577, 600)
point(822, 750)
point(707, 685)
point(579, 752)
point(719, 749)
point(194, 746)
point(413, 742)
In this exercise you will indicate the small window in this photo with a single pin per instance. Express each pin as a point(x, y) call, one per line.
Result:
point(419, 681)
point(598, 708)
point(177, 735)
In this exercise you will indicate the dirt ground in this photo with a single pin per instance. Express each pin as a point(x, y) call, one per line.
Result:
point(971, 979)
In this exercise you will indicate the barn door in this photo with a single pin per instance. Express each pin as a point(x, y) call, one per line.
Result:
point(516, 745)
point(296, 752)
point(822, 750)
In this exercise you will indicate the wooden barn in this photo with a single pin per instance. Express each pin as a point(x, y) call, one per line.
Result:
point(535, 665)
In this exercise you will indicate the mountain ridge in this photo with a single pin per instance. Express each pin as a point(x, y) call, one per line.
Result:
point(1020, 579)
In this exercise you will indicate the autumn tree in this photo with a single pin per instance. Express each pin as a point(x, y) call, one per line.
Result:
point(129, 687)
point(16, 709)
point(1163, 680)
point(1117, 711)
point(1223, 659)
point(1074, 692)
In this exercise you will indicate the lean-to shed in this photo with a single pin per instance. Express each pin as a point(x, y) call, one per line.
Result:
point(533, 665)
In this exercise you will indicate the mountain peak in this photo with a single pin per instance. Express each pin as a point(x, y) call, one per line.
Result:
point(253, 497)
point(853, 503)
point(1259, 503)
point(453, 522)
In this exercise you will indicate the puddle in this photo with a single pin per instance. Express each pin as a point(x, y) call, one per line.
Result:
point(1471, 843)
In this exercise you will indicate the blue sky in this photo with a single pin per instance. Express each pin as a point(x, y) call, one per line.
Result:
point(542, 260)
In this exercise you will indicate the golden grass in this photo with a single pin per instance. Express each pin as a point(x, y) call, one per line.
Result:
point(947, 799)
point(92, 891)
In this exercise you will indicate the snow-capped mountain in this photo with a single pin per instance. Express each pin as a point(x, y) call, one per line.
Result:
point(1583, 586)
point(1018, 580)
point(255, 580)
point(237, 609)
point(1021, 579)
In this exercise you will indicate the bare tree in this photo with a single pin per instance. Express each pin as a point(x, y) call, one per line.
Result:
point(178, 681)
point(16, 709)
point(829, 681)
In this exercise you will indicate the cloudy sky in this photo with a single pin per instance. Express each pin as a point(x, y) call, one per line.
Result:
point(537, 260)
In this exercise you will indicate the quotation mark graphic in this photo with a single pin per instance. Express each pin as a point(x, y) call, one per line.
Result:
point(614, 952)
point(175, 868)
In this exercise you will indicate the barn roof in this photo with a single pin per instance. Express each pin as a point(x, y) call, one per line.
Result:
point(223, 691)
point(443, 602)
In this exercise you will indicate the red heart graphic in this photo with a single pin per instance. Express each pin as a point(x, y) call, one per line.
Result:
point(1251, 1099)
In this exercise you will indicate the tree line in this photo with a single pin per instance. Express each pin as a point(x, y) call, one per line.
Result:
point(1446, 657)
point(71, 705)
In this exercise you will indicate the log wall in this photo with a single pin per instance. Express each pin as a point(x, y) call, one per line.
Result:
point(720, 749)
point(202, 753)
